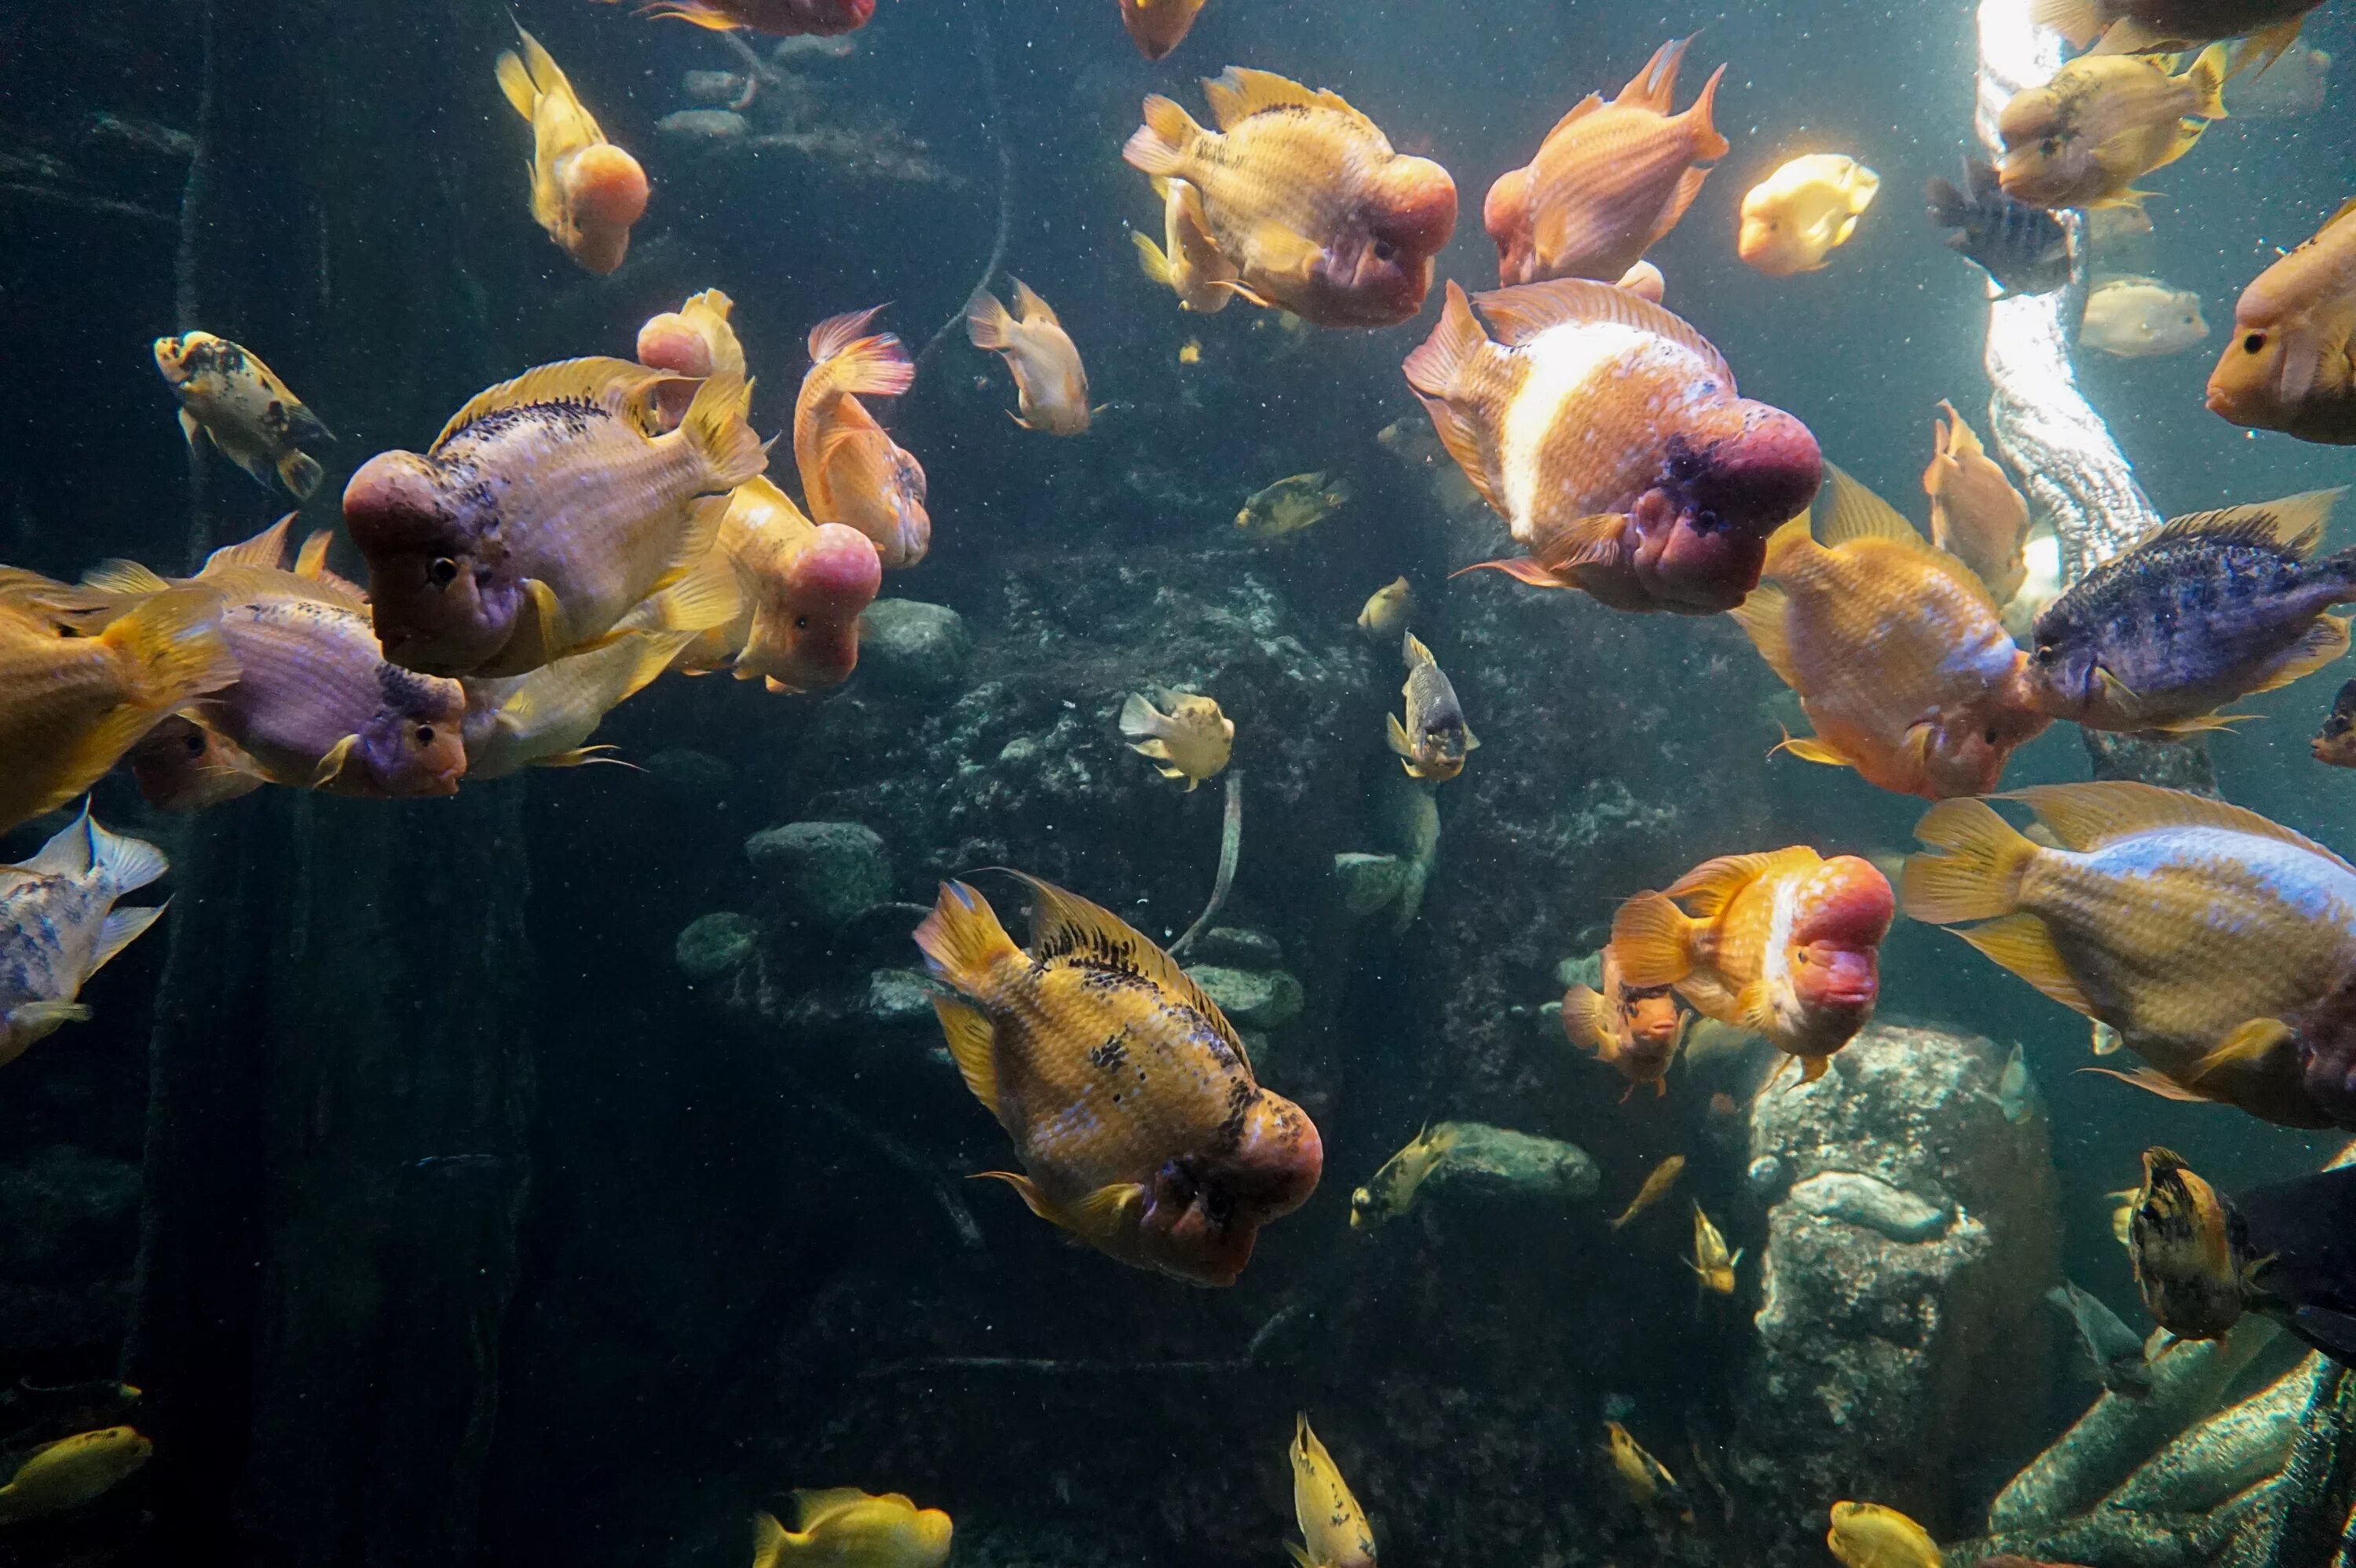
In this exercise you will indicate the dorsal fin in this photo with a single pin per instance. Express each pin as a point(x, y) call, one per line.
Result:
point(1236, 94)
point(1655, 86)
point(1029, 307)
point(119, 576)
point(1578, 112)
point(1516, 316)
point(1709, 888)
point(247, 582)
point(2295, 523)
point(1848, 509)
point(622, 387)
point(2088, 815)
point(265, 550)
point(1065, 923)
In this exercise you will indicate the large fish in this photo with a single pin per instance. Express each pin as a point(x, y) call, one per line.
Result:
point(585, 191)
point(2291, 366)
point(59, 926)
point(2102, 122)
point(2146, 27)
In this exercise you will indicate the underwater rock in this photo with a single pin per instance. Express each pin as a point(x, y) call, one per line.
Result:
point(908, 645)
point(1587, 971)
point(1261, 998)
point(1237, 948)
point(1867, 1200)
point(899, 996)
point(712, 945)
point(712, 86)
point(698, 774)
point(1369, 882)
point(1487, 1163)
point(831, 872)
point(704, 125)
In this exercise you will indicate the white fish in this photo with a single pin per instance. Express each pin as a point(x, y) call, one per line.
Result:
point(59, 926)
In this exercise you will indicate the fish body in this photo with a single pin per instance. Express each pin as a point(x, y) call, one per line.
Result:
point(2141, 318)
point(2220, 945)
point(1391, 1190)
point(846, 1528)
point(1711, 1262)
point(543, 513)
point(2013, 1087)
point(1867, 1535)
point(1387, 611)
point(2114, 1350)
point(1644, 1480)
point(180, 765)
point(777, 18)
point(243, 408)
point(2018, 243)
point(1189, 262)
point(73, 1471)
point(804, 587)
point(1192, 741)
point(694, 340)
point(2144, 26)
point(1785, 943)
point(2210, 608)
point(1158, 26)
point(1977, 516)
point(1131, 1103)
point(59, 926)
point(1635, 1031)
point(1051, 386)
point(2336, 742)
point(545, 718)
point(851, 472)
point(2295, 1245)
point(1608, 435)
point(1898, 653)
point(2291, 365)
point(1794, 218)
point(1305, 198)
point(1657, 1182)
point(1334, 1528)
point(1609, 181)
point(585, 191)
point(1433, 741)
point(2181, 1244)
point(2104, 121)
point(1295, 502)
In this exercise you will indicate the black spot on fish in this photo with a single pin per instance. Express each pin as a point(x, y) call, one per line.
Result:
point(1109, 1056)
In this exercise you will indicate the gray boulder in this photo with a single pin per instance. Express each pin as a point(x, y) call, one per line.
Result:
point(908, 645)
point(712, 945)
point(831, 872)
point(1488, 1164)
point(1260, 998)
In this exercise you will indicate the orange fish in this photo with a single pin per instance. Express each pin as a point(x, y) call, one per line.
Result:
point(1159, 26)
point(585, 191)
point(1900, 656)
point(2102, 122)
point(183, 766)
point(1786, 944)
point(851, 472)
point(1051, 386)
point(1306, 197)
point(1607, 433)
point(2291, 366)
point(1976, 514)
point(693, 340)
point(1192, 267)
point(1130, 1101)
point(1636, 1031)
point(1609, 180)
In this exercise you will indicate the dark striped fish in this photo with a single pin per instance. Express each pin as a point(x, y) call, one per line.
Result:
point(2023, 248)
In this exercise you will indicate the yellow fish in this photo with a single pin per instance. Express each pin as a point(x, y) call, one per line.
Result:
point(1388, 611)
point(243, 408)
point(1433, 742)
point(2142, 318)
point(1656, 1187)
point(1192, 267)
point(542, 719)
point(1333, 1525)
point(1050, 384)
point(1977, 516)
point(1711, 1261)
point(1191, 351)
point(695, 340)
point(1390, 1191)
point(1294, 502)
point(1191, 741)
point(846, 1528)
point(59, 926)
point(71, 1472)
point(1645, 1479)
point(1796, 217)
point(585, 191)
point(2103, 122)
point(1867, 1535)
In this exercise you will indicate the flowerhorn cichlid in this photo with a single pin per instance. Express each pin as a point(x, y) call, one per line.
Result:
point(694, 340)
point(851, 472)
point(59, 926)
point(72, 1471)
point(243, 408)
point(1130, 1099)
point(1634, 1031)
point(585, 191)
point(1867, 1535)
point(846, 1528)
point(1334, 1528)
point(1433, 741)
point(2104, 121)
point(1794, 218)
point(2288, 367)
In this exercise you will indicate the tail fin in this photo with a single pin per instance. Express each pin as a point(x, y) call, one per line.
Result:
point(2207, 78)
point(962, 940)
point(1164, 144)
point(1973, 868)
point(1654, 940)
point(769, 1541)
point(1140, 722)
point(301, 475)
point(516, 82)
point(988, 324)
point(175, 645)
point(1586, 1018)
point(127, 864)
point(872, 365)
point(1708, 143)
point(714, 427)
point(1150, 257)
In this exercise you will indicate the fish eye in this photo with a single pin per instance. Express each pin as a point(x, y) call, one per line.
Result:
point(2049, 146)
point(2046, 653)
point(194, 744)
point(801, 622)
point(442, 572)
point(1385, 251)
point(1989, 734)
point(2254, 343)
point(424, 735)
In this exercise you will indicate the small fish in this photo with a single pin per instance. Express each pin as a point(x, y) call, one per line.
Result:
point(1608, 435)
point(1644, 1480)
point(1867, 1535)
point(66, 1474)
point(2141, 318)
point(2146, 27)
point(851, 472)
point(2179, 1240)
point(1609, 181)
point(243, 408)
point(2336, 742)
point(695, 340)
point(2114, 1350)
point(2013, 1088)
point(1435, 740)
point(1388, 611)
point(2104, 121)
point(1637, 1032)
point(1786, 943)
point(1334, 1528)
point(2288, 365)
point(1191, 351)
point(1051, 386)
point(1711, 1262)
point(1977, 516)
point(846, 1528)
point(1295, 502)
point(1391, 1190)
point(59, 926)
point(1190, 741)
point(1305, 198)
point(1657, 1182)
point(545, 718)
point(2021, 246)
point(2212, 607)
point(585, 191)
point(2123, 1208)
point(1127, 1094)
point(1158, 26)
point(1794, 218)
point(543, 513)
point(180, 765)
point(1192, 267)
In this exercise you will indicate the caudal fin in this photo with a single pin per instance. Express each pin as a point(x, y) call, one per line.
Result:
point(1149, 257)
point(714, 427)
point(2207, 78)
point(1707, 145)
point(301, 475)
point(1654, 940)
point(988, 324)
point(1972, 869)
point(1164, 144)
point(864, 364)
point(175, 648)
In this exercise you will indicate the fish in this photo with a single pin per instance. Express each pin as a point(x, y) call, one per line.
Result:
point(1433, 742)
point(846, 1528)
point(1192, 266)
point(239, 404)
point(1636, 1032)
point(2292, 1249)
point(59, 926)
point(2294, 87)
point(804, 588)
point(585, 191)
point(852, 473)
point(777, 18)
point(1608, 435)
point(1867, 1535)
point(180, 765)
point(2217, 943)
point(1785, 943)
point(1295, 502)
point(2013, 1086)
point(1609, 181)
point(1050, 384)
point(1192, 741)
point(2104, 121)
point(1191, 351)
point(2141, 318)
point(2336, 742)
point(2146, 27)
point(1158, 26)
point(1391, 1190)
point(1131, 1100)
point(1334, 1528)
point(73, 1471)
point(1711, 1262)
point(1976, 515)
point(2021, 246)
point(2123, 1207)
point(1793, 219)
point(2288, 367)
point(2209, 608)
point(1657, 1182)
point(2114, 1350)
point(1305, 196)
point(2180, 1245)
point(543, 719)
point(1388, 611)
point(543, 513)
point(694, 340)
point(81, 682)
point(1644, 1480)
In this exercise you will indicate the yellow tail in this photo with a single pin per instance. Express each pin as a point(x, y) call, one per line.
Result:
point(1654, 940)
point(988, 324)
point(1164, 144)
point(1150, 257)
point(714, 427)
point(174, 647)
point(1971, 870)
point(2208, 76)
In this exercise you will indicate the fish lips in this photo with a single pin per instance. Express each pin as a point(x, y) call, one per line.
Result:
point(436, 610)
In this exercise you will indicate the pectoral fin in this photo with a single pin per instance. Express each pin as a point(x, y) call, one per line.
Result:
point(2246, 1046)
point(1813, 748)
point(331, 766)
